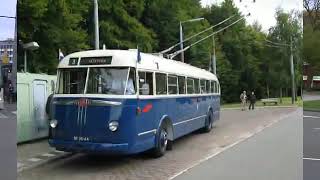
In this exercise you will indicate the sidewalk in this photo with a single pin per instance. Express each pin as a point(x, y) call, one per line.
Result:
point(36, 153)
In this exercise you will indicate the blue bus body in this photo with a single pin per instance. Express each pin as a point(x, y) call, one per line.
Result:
point(87, 127)
point(148, 102)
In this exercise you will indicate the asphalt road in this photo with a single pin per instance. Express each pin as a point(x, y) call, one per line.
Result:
point(8, 155)
point(235, 127)
point(273, 154)
point(309, 96)
point(311, 145)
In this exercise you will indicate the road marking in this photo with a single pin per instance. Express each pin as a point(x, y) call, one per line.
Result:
point(14, 112)
point(3, 116)
point(48, 155)
point(34, 159)
point(311, 159)
point(244, 137)
point(313, 117)
point(59, 151)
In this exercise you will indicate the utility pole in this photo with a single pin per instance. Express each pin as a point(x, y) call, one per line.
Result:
point(96, 24)
point(181, 43)
point(214, 63)
point(293, 95)
point(279, 45)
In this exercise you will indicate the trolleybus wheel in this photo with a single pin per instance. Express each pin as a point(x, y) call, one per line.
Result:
point(162, 142)
point(209, 123)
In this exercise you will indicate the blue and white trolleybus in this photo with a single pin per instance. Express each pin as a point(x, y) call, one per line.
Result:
point(113, 101)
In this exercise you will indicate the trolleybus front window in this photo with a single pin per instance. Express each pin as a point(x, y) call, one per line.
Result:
point(110, 81)
point(72, 81)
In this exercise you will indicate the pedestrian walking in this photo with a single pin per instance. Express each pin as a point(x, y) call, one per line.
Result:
point(243, 99)
point(11, 92)
point(252, 100)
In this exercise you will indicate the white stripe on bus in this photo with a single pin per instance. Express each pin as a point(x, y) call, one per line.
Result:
point(189, 120)
point(147, 132)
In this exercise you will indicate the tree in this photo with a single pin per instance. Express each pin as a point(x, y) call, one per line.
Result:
point(286, 31)
point(53, 24)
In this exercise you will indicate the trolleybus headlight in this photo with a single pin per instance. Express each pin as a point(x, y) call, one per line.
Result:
point(53, 123)
point(113, 125)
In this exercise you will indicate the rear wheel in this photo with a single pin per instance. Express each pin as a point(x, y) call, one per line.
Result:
point(209, 123)
point(162, 142)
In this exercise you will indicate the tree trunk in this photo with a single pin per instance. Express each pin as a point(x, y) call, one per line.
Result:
point(280, 95)
point(267, 90)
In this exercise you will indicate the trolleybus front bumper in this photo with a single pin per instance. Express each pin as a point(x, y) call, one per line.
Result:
point(89, 147)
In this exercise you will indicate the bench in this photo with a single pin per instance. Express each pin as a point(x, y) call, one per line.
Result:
point(270, 100)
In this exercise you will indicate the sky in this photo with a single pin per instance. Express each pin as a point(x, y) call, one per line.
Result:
point(7, 8)
point(262, 11)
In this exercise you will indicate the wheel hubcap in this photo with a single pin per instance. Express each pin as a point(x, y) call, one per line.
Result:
point(164, 140)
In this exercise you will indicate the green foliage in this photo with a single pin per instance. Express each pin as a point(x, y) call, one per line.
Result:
point(243, 62)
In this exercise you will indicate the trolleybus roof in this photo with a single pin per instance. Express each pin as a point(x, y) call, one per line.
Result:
point(128, 58)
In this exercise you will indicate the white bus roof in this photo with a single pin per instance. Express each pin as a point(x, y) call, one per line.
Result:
point(128, 58)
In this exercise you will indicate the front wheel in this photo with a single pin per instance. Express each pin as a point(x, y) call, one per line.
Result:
point(161, 142)
point(209, 123)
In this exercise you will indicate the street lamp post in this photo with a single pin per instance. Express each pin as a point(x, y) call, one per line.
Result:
point(181, 34)
point(29, 46)
point(96, 24)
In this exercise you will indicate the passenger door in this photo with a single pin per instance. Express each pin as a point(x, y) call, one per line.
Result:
point(39, 103)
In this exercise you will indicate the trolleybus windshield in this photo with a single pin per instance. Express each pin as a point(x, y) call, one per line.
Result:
point(101, 80)
point(72, 81)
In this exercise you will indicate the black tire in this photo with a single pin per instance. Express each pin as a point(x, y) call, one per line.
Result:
point(169, 145)
point(161, 142)
point(209, 123)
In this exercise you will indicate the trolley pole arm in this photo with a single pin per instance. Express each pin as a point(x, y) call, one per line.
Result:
point(188, 38)
point(172, 55)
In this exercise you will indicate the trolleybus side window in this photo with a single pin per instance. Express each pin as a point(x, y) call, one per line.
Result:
point(173, 84)
point(213, 87)
point(161, 83)
point(190, 86)
point(202, 86)
point(208, 86)
point(105, 80)
point(182, 85)
point(72, 81)
point(146, 83)
point(196, 86)
point(131, 83)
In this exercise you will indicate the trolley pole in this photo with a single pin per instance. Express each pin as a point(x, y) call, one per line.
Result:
point(293, 94)
point(96, 24)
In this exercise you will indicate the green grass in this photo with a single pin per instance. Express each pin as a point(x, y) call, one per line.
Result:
point(286, 101)
point(311, 105)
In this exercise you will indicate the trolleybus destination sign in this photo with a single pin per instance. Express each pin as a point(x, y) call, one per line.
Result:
point(95, 60)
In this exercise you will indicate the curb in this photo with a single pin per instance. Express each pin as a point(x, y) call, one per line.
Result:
point(311, 110)
point(260, 107)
